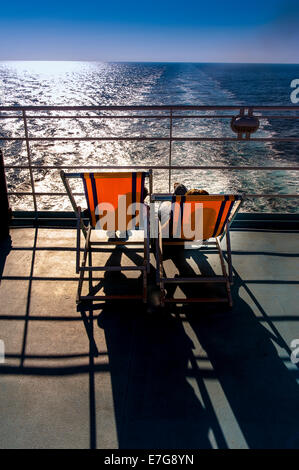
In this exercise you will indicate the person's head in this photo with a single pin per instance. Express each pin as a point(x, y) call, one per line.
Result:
point(180, 189)
point(197, 192)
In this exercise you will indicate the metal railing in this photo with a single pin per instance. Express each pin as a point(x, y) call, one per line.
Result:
point(168, 113)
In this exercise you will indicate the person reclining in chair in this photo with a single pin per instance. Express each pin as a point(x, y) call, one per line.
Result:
point(165, 207)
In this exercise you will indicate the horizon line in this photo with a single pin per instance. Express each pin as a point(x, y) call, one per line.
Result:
point(150, 61)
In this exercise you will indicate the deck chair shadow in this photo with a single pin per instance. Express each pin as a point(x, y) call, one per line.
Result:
point(196, 218)
point(115, 206)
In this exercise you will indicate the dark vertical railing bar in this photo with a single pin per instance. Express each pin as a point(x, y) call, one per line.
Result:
point(170, 150)
point(29, 163)
point(4, 202)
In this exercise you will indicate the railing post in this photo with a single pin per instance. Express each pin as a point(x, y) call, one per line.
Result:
point(5, 210)
point(170, 150)
point(29, 162)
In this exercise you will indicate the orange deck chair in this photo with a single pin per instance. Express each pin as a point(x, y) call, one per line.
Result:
point(106, 188)
point(217, 213)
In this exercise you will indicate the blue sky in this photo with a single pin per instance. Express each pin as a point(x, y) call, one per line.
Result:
point(189, 31)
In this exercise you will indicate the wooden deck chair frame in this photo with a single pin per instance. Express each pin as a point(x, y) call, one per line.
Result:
point(81, 267)
point(226, 278)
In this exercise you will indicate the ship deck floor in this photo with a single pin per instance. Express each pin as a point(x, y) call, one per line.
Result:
point(199, 376)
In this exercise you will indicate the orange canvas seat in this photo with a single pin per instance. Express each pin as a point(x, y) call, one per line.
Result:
point(114, 201)
point(204, 218)
point(216, 210)
point(107, 188)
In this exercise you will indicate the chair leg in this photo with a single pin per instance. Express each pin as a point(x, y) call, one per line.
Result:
point(162, 295)
point(159, 266)
point(144, 298)
point(229, 295)
point(147, 241)
point(86, 250)
point(230, 300)
point(146, 266)
point(229, 255)
point(146, 255)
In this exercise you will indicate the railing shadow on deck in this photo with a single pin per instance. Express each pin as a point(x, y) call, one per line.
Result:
point(149, 362)
point(155, 406)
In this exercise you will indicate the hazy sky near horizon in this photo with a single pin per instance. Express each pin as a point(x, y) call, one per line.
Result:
point(159, 31)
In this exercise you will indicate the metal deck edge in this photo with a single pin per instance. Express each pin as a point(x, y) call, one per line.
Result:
point(269, 221)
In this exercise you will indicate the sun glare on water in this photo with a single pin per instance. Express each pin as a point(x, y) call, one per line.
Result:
point(54, 68)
